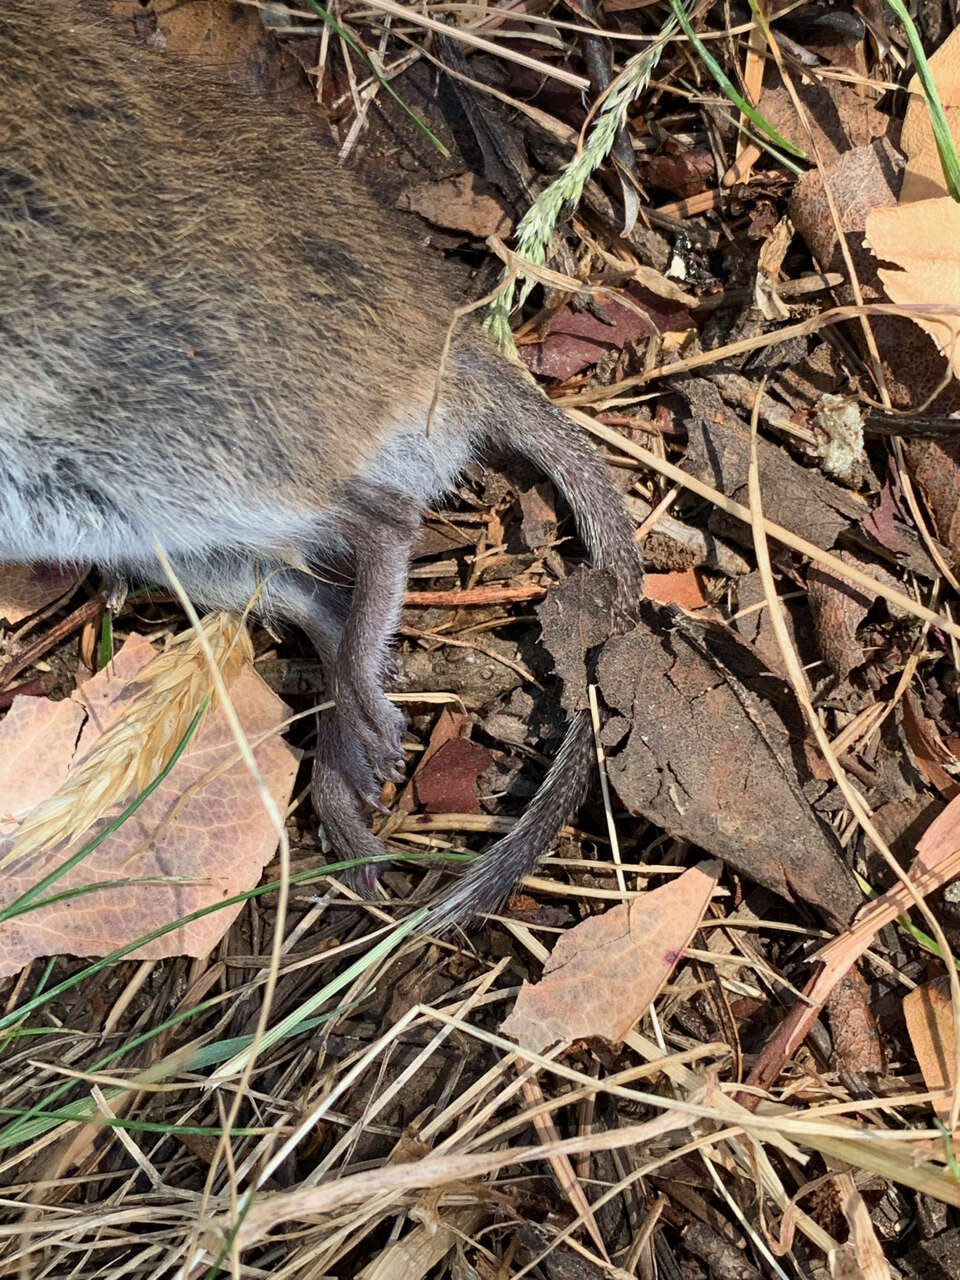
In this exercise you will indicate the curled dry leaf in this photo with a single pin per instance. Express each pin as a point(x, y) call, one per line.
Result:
point(27, 588)
point(857, 1043)
point(606, 972)
point(932, 755)
point(936, 469)
point(202, 836)
point(838, 608)
point(929, 1019)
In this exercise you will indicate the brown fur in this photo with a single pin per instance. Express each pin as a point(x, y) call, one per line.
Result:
point(212, 337)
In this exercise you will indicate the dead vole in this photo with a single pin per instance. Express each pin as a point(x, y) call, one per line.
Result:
point(214, 339)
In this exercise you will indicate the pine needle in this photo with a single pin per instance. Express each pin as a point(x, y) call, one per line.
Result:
point(162, 701)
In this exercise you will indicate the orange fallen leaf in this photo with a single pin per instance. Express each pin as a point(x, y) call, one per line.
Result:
point(202, 836)
point(923, 177)
point(606, 972)
point(922, 238)
point(682, 587)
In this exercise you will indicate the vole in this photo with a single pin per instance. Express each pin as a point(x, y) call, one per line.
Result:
point(213, 338)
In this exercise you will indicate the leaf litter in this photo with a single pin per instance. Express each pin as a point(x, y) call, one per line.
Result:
point(681, 1105)
point(200, 837)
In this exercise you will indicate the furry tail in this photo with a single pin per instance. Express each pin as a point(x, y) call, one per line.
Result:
point(554, 444)
point(490, 879)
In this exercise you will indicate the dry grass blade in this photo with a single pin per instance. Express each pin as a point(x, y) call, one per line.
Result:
point(408, 14)
point(432, 1171)
point(137, 746)
point(801, 688)
point(770, 528)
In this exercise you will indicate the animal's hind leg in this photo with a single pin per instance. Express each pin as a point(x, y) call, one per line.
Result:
point(359, 745)
point(381, 526)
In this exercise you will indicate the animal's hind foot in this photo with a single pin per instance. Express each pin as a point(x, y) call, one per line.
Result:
point(375, 727)
point(343, 791)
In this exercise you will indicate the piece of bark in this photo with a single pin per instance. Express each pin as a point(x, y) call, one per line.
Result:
point(574, 618)
point(713, 762)
point(718, 452)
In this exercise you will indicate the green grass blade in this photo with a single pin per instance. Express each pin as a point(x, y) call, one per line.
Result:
point(727, 86)
point(384, 84)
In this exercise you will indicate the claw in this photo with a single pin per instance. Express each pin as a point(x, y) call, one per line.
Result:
point(364, 878)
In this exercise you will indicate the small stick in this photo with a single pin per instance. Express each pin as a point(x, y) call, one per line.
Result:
point(50, 639)
point(476, 595)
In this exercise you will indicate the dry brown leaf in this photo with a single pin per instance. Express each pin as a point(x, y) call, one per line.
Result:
point(447, 782)
point(857, 1044)
point(606, 972)
point(923, 178)
point(463, 203)
point(133, 737)
point(840, 116)
point(26, 588)
point(579, 338)
point(33, 758)
point(929, 1019)
point(683, 173)
point(204, 831)
point(931, 753)
point(935, 465)
point(922, 238)
point(922, 233)
point(838, 609)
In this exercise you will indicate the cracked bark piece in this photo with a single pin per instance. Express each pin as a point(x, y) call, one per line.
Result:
point(576, 616)
point(718, 451)
point(713, 762)
point(839, 606)
point(462, 203)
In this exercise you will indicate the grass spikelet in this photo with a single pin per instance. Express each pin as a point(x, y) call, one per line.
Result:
point(161, 703)
point(536, 228)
